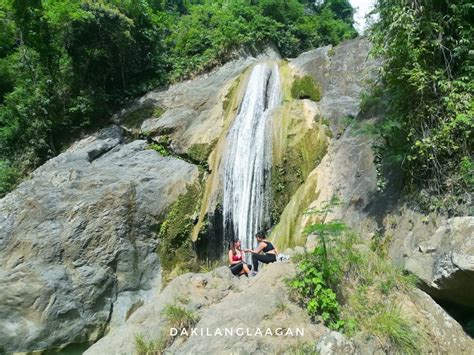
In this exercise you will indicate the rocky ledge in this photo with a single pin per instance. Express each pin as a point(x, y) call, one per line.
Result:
point(222, 301)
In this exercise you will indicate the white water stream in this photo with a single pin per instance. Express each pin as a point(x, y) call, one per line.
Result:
point(248, 158)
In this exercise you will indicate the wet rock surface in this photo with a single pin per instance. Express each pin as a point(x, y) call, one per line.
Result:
point(347, 170)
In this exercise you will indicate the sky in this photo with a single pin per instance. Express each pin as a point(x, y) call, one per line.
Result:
point(362, 8)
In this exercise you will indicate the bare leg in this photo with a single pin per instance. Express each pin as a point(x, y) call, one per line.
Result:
point(246, 269)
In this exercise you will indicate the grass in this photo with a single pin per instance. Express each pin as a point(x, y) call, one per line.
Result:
point(175, 317)
point(393, 327)
point(179, 317)
point(209, 265)
point(151, 347)
point(372, 291)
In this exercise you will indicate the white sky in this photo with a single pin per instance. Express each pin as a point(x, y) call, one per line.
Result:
point(362, 7)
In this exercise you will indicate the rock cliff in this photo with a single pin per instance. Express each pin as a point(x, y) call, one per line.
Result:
point(77, 242)
point(79, 239)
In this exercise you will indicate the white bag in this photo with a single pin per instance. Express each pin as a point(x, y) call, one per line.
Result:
point(282, 258)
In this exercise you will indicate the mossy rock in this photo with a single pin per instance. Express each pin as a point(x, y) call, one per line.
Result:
point(298, 162)
point(305, 88)
point(135, 118)
point(230, 98)
point(331, 52)
point(299, 144)
point(199, 152)
point(175, 246)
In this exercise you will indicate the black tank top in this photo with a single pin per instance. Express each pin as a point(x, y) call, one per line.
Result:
point(268, 247)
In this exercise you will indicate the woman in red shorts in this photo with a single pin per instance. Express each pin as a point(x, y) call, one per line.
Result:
point(237, 264)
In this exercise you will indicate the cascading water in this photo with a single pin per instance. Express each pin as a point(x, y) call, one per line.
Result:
point(248, 155)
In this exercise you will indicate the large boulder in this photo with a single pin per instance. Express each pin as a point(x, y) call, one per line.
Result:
point(439, 251)
point(77, 247)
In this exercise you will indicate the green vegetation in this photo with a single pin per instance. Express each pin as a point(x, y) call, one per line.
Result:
point(318, 273)
point(175, 317)
point(66, 66)
point(179, 317)
point(305, 88)
point(200, 151)
point(175, 249)
point(160, 148)
point(355, 289)
point(150, 347)
point(428, 89)
point(8, 177)
point(331, 52)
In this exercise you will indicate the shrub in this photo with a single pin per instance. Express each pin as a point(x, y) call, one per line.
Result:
point(352, 288)
point(314, 292)
point(427, 87)
point(305, 88)
point(466, 168)
point(319, 272)
point(160, 148)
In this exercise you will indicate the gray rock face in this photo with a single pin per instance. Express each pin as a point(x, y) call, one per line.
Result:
point(335, 343)
point(77, 237)
point(77, 248)
point(342, 72)
point(347, 170)
point(440, 252)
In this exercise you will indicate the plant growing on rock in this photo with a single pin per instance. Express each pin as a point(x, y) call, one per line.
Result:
point(179, 317)
point(160, 148)
point(319, 272)
point(305, 88)
point(175, 249)
point(175, 317)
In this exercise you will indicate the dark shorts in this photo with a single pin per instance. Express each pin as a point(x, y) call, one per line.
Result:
point(237, 268)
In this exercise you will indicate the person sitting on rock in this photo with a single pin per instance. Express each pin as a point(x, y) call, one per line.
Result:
point(237, 264)
point(269, 251)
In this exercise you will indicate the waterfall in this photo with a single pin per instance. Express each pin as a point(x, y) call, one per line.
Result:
point(248, 158)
